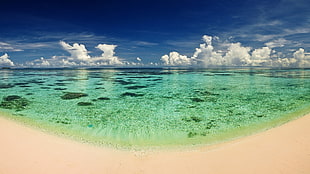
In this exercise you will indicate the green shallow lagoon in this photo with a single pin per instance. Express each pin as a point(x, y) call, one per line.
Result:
point(154, 107)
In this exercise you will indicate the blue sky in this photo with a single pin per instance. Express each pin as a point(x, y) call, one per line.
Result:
point(151, 29)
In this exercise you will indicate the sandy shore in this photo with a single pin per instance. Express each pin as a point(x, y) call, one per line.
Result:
point(285, 149)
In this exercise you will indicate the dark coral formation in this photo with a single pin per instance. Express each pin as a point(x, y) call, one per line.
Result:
point(73, 95)
point(14, 102)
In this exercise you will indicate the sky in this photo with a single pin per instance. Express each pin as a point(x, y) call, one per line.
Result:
point(54, 33)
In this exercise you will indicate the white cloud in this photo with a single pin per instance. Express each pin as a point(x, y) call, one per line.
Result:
point(79, 57)
point(238, 55)
point(207, 39)
point(107, 57)
point(299, 54)
point(300, 30)
point(8, 47)
point(263, 38)
point(283, 62)
point(277, 43)
point(175, 59)
point(5, 61)
point(261, 56)
point(77, 51)
point(302, 60)
point(261, 53)
point(4, 44)
point(206, 54)
point(55, 61)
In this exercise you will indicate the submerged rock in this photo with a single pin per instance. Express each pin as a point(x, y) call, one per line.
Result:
point(73, 95)
point(131, 94)
point(84, 103)
point(136, 87)
point(35, 81)
point(22, 83)
point(60, 84)
point(124, 82)
point(14, 102)
point(100, 88)
point(4, 86)
point(196, 99)
point(60, 89)
point(11, 98)
point(103, 98)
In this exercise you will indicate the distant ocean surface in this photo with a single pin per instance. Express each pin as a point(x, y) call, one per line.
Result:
point(154, 107)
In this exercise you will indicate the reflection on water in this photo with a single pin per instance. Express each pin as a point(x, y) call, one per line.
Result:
point(153, 106)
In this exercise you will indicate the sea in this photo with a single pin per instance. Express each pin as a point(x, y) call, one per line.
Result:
point(154, 107)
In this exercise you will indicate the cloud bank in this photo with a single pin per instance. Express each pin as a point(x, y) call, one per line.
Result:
point(211, 53)
point(5, 61)
point(235, 54)
point(79, 57)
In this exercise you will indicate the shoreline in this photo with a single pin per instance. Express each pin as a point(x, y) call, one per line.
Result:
point(284, 149)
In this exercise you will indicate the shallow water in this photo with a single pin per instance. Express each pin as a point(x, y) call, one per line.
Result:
point(146, 107)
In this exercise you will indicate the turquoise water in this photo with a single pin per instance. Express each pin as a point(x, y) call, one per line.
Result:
point(154, 107)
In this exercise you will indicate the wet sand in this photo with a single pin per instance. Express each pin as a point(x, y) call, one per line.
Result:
point(284, 149)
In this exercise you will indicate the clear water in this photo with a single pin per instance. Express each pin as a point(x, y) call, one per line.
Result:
point(153, 107)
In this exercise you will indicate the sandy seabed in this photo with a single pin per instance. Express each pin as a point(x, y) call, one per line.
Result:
point(285, 150)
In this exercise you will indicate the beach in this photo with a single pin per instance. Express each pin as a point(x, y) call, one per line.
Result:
point(284, 149)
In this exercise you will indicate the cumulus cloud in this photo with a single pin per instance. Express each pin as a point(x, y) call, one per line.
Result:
point(261, 53)
point(107, 57)
point(299, 54)
point(5, 61)
point(77, 51)
point(175, 59)
point(79, 57)
point(261, 56)
point(302, 60)
point(238, 55)
point(206, 54)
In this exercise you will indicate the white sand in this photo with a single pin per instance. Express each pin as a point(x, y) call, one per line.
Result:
point(285, 150)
